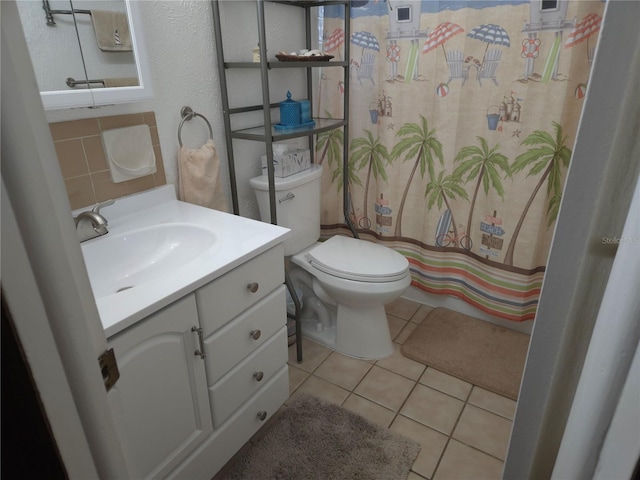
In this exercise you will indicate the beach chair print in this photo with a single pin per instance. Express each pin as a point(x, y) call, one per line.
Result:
point(365, 70)
point(455, 59)
point(489, 66)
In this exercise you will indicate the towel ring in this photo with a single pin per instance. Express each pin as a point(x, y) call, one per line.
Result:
point(187, 113)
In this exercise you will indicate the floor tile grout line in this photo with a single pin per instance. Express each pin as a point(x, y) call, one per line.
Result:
point(415, 383)
point(403, 404)
point(450, 436)
point(477, 449)
point(398, 413)
point(412, 380)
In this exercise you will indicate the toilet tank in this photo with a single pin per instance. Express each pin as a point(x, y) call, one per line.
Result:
point(297, 206)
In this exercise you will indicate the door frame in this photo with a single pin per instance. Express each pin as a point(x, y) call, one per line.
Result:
point(47, 288)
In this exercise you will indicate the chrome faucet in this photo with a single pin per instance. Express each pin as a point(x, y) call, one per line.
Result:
point(91, 224)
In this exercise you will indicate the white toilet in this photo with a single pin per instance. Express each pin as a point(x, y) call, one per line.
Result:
point(345, 281)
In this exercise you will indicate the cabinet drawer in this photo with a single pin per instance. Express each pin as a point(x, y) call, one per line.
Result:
point(225, 441)
point(231, 343)
point(248, 376)
point(227, 296)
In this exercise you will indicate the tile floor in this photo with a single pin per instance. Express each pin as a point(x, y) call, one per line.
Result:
point(463, 429)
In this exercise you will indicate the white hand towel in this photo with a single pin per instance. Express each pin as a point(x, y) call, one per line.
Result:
point(199, 177)
point(112, 30)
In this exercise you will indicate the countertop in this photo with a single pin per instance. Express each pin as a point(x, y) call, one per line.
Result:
point(238, 240)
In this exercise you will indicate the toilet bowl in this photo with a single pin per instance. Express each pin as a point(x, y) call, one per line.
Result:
point(346, 281)
point(357, 278)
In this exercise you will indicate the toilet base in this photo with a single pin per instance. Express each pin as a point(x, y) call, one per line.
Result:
point(361, 333)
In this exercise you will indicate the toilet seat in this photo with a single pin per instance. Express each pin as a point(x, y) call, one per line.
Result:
point(359, 260)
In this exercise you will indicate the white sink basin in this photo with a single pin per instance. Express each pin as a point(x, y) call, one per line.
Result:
point(120, 262)
point(159, 249)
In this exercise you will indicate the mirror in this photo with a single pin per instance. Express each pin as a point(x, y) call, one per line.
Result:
point(72, 70)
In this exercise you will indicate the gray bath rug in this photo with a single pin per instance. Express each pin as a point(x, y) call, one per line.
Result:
point(479, 352)
point(317, 440)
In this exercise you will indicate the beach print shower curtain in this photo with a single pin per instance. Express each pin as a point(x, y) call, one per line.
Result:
point(463, 115)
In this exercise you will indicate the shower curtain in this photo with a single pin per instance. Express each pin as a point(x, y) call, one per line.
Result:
point(462, 119)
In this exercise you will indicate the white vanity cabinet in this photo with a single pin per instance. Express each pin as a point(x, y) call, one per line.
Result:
point(243, 315)
point(184, 415)
point(162, 389)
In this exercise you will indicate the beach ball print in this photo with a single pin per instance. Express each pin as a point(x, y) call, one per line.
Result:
point(581, 91)
point(442, 90)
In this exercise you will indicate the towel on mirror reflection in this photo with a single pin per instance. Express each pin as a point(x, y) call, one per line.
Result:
point(199, 177)
point(112, 30)
point(121, 82)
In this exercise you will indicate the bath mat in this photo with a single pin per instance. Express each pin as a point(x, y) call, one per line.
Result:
point(473, 350)
point(314, 439)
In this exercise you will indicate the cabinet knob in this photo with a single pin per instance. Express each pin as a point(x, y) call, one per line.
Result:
point(255, 334)
point(262, 415)
point(253, 287)
point(258, 376)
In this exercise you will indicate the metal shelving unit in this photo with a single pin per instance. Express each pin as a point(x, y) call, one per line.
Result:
point(265, 132)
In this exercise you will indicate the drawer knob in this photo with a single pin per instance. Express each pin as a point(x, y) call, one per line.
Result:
point(258, 376)
point(253, 287)
point(255, 334)
point(262, 415)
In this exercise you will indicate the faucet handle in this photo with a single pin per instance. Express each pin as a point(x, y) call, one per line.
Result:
point(106, 203)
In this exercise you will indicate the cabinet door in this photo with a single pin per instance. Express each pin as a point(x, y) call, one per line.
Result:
point(162, 389)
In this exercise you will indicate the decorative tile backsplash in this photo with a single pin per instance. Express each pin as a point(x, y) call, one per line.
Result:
point(83, 163)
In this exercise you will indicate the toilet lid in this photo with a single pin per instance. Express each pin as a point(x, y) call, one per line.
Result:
point(355, 259)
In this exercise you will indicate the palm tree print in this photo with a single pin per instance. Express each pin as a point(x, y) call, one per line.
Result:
point(338, 174)
point(550, 154)
point(330, 144)
point(420, 143)
point(439, 189)
point(367, 151)
point(483, 163)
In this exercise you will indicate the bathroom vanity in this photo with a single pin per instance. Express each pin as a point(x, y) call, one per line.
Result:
point(197, 323)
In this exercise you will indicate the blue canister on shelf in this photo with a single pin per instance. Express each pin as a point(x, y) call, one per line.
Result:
point(305, 111)
point(289, 112)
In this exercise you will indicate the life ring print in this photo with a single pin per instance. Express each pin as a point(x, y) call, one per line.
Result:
point(530, 48)
point(393, 53)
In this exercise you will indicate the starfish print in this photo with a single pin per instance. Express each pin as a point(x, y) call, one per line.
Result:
point(391, 126)
point(516, 133)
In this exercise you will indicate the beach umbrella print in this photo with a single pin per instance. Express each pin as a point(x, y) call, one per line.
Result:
point(440, 35)
point(366, 40)
point(491, 34)
point(583, 30)
point(334, 41)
